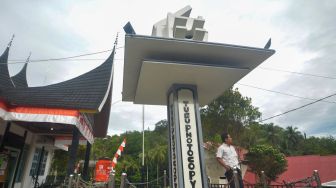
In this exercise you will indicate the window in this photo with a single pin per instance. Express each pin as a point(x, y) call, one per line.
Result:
point(37, 155)
point(22, 163)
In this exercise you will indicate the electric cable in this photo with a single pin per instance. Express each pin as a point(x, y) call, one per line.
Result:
point(292, 110)
point(278, 92)
point(63, 58)
point(91, 59)
point(299, 73)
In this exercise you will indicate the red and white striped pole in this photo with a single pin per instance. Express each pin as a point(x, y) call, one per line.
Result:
point(118, 153)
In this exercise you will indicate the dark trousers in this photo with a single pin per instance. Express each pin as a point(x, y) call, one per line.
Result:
point(229, 176)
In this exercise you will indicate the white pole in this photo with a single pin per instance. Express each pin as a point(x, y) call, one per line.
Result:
point(147, 175)
point(143, 135)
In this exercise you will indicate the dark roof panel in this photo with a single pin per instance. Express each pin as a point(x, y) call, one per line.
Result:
point(101, 120)
point(5, 81)
point(20, 79)
point(89, 91)
point(86, 91)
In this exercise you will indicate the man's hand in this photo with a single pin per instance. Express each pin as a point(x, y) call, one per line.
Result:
point(227, 168)
point(220, 160)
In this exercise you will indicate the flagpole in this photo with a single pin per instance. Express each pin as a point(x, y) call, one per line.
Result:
point(143, 146)
point(143, 135)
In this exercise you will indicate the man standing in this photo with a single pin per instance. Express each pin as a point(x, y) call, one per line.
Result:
point(227, 156)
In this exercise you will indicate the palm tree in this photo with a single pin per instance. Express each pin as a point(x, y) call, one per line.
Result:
point(273, 134)
point(158, 155)
point(128, 164)
point(292, 137)
point(142, 168)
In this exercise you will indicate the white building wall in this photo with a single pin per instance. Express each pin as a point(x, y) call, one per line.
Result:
point(27, 180)
point(31, 140)
point(17, 129)
point(48, 165)
point(2, 126)
point(214, 169)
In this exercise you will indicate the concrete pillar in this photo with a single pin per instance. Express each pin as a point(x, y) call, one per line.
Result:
point(39, 167)
point(263, 179)
point(70, 181)
point(73, 151)
point(186, 153)
point(2, 144)
point(111, 183)
point(235, 178)
point(19, 158)
point(86, 162)
point(123, 180)
point(164, 179)
point(317, 178)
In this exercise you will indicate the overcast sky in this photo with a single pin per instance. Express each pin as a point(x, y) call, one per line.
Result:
point(303, 34)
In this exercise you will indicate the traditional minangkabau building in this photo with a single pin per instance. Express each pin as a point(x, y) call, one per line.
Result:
point(35, 121)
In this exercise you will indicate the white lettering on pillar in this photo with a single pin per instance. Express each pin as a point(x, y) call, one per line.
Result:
point(173, 141)
point(189, 139)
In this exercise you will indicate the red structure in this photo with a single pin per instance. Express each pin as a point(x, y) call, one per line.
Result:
point(300, 167)
point(103, 169)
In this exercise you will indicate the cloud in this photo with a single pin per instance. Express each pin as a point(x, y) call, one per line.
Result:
point(39, 28)
point(303, 34)
point(312, 31)
point(127, 116)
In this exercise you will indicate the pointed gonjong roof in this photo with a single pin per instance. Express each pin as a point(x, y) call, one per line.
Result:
point(20, 79)
point(88, 91)
point(5, 81)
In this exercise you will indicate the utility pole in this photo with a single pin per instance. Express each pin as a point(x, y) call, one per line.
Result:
point(143, 135)
point(143, 146)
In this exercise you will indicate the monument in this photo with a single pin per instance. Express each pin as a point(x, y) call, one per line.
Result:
point(177, 67)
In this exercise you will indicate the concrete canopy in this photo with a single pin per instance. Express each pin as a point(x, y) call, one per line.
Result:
point(153, 64)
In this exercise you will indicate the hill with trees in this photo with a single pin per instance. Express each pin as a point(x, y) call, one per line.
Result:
point(231, 112)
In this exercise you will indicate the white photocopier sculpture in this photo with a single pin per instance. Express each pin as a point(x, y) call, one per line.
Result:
point(180, 25)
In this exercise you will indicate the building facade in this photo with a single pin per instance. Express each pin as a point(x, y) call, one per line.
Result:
point(35, 121)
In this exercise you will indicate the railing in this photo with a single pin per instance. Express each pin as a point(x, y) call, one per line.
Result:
point(258, 186)
point(312, 182)
point(150, 184)
point(76, 181)
point(219, 185)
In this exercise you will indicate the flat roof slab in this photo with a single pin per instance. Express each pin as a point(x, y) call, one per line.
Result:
point(157, 77)
point(155, 54)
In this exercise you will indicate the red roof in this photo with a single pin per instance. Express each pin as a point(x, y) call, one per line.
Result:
point(300, 167)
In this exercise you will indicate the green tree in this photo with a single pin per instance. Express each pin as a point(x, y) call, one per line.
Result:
point(292, 138)
point(59, 161)
point(273, 135)
point(105, 147)
point(319, 146)
point(158, 155)
point(268, 159)
point(253, 135)
point(229, 112)
point(130, 166)
point(328, 145)
point(161, 127)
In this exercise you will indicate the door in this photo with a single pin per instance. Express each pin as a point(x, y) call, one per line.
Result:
point(12, 162)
